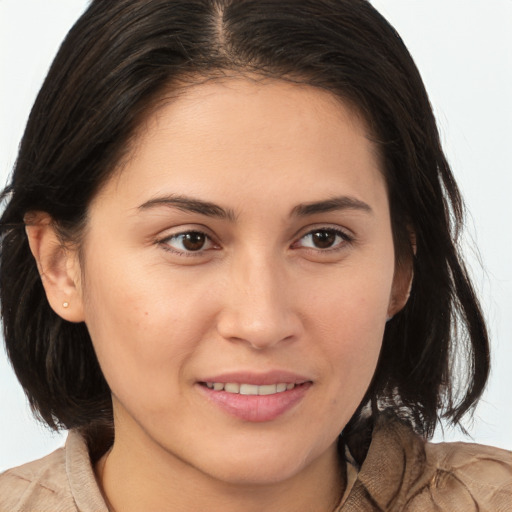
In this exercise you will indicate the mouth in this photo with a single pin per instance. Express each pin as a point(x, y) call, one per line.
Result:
point(264, 398)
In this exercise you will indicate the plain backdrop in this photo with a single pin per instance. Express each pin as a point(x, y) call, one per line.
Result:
point(463, 49)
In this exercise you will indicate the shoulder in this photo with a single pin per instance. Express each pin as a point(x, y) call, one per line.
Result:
point(63, 481)
point(404, 473)
point(39, 483)
point(465, 476)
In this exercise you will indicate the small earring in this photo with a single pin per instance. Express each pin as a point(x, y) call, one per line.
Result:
point(65, 304)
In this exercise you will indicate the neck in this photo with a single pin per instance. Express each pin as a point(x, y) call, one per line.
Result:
point(135, 479)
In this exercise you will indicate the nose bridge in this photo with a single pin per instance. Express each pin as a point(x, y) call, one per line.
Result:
point(258, 308)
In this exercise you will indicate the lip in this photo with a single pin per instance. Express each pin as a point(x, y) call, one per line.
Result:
point(256, 408)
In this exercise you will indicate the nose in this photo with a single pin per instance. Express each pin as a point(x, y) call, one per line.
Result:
point(258, 306)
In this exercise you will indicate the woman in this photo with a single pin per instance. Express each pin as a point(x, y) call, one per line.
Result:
point(230, 237)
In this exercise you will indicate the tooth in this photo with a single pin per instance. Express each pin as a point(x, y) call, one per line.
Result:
point(269, 389)
point(232, 387)
point(248, 389)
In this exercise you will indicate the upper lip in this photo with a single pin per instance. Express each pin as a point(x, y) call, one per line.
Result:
point(258, 379)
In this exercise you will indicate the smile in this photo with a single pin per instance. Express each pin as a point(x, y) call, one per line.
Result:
point(250, 389)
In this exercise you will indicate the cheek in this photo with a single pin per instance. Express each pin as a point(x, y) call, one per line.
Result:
point(351, 345)
point(136, 322)
point(352, 302)
point(349, 318)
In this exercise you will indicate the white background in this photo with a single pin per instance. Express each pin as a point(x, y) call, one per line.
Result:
point(464, 51)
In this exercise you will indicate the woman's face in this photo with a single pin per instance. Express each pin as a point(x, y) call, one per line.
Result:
point(239, 271)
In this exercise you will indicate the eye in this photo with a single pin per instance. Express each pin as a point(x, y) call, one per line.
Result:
point(188, 242)
point(324, 239)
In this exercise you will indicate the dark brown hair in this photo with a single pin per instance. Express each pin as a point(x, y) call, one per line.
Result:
point(117, 60)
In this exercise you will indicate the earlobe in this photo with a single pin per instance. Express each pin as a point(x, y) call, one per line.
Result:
point(58, 267)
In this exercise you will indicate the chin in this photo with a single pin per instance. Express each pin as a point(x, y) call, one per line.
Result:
point(258, 465)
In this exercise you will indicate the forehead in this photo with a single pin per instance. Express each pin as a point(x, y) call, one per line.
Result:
point(245, 134)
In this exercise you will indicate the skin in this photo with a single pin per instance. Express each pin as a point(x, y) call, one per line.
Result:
point(259, 295)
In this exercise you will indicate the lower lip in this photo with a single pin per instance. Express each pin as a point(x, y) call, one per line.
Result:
point(257, 408)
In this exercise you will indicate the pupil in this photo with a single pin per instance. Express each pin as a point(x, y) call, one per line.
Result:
point(324, 239)
point(193, 241)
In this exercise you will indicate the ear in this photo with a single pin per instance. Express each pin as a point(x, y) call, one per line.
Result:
point(58, 267)
point(402, 281)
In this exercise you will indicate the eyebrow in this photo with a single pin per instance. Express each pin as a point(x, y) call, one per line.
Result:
point(189, 204)
point(331, 205)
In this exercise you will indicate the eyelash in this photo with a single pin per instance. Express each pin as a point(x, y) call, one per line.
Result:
point(345, 239)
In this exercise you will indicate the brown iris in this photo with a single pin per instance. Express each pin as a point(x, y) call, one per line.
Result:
point(193, 241)
point(323, 239)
